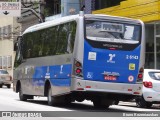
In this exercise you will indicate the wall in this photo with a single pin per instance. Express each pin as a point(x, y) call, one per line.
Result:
point(6, 44)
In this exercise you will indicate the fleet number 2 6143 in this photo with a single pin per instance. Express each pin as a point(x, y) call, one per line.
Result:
point(131, 57)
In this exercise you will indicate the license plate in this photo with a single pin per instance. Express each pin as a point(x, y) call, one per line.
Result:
point(110, 77)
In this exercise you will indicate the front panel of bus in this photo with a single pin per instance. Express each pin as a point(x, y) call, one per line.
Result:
point(112, 51)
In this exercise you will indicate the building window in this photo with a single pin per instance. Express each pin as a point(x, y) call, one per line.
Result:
point(152, 45)
point(149, 60)
point(6, 62)
point(1, 32)
point(9, 62)
point(6, 32)
point(52, 7)
point(0, 62)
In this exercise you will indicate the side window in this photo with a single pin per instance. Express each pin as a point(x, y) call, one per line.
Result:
point(66, 38)
point(39, 46)
point(19, 56)
point(48, 46)
point(50, 43)
point(55, 40)
point(73, 26)
point(27, 49)
point(62, 39)
point(33, 44)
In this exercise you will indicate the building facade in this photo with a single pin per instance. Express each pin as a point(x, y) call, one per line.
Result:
point(9, 29)
point(149, 12)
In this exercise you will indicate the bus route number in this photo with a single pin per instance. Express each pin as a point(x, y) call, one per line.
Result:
point(131, 57)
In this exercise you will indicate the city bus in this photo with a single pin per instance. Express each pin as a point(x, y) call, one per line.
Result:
point(81, 57)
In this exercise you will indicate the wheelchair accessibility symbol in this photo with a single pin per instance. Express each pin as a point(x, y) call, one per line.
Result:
point(89, 75)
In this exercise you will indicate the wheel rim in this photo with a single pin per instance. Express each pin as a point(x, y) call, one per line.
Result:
point(20, 93)
point(49, 96)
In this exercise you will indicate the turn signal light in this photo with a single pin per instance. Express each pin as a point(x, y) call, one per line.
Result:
point(140, 76)
point(78, 64)
point(80, 88)
point(78, 71)
point(136, 93)
point(141, 70)
point(78, 68)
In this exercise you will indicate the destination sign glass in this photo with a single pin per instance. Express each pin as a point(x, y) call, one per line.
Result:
point(112, 27)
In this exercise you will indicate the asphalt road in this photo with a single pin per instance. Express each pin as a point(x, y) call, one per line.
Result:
point(9, 101)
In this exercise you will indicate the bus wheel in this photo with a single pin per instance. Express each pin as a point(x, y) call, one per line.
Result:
point(50, 98)
point(22, 97)
point(98, 105)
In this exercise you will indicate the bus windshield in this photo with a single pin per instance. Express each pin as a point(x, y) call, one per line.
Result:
point(114, 32)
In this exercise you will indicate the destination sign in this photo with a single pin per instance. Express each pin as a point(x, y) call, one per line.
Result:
point(112, 27)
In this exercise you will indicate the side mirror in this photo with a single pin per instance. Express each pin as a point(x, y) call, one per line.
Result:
point(16, 44)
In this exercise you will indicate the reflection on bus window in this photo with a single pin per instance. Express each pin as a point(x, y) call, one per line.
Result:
point(55, 40)
point(107, 31)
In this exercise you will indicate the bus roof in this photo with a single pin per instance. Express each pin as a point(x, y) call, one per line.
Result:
point(75, 17)
point(51, 23)
point(103, 16)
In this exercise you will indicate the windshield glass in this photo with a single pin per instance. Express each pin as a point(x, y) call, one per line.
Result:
point(3, 72)
point(112, 32)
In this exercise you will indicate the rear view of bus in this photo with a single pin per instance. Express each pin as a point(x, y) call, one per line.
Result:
point(110, 68)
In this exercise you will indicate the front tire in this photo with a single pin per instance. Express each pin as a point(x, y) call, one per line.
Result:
point(0, 85)
point(98, 105)
point(22, 97)
point(50, 98)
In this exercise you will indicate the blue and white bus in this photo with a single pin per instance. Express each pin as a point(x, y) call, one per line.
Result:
point(81, 57)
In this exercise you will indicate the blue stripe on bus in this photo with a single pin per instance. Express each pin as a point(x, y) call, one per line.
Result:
point(59, 75)
point(61, 82)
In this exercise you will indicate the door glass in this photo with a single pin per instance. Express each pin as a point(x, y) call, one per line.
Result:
point(158, 29)
point(149, 60)
point(158, 52)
